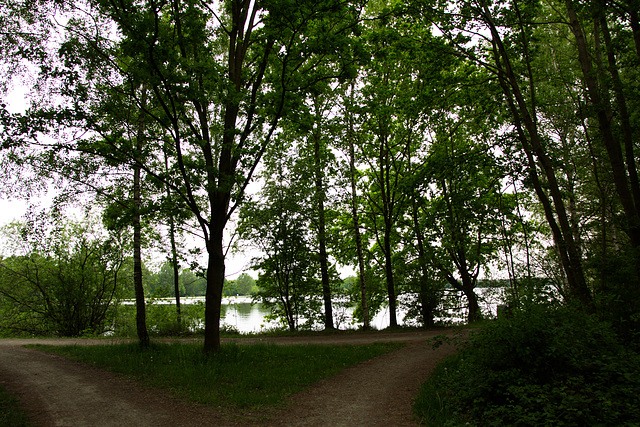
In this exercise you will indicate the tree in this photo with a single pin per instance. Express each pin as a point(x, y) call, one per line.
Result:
point(511, 62)
point(461, 187)
point(219, 80)
point(355, 216)
point(388, 135)
point(311, 130)
point(277, 226)
point(602, 82)
point(60, 278)
point(246, 285)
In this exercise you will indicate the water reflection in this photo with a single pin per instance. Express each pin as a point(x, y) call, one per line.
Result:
point(245, 317)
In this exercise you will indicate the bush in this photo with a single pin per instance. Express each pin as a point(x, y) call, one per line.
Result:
point(542, 366)
point(60, 278)
point(161, 319)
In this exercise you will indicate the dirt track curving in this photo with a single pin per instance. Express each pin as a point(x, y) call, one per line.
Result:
point(59, 392)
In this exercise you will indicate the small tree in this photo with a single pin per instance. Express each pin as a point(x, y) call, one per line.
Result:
point(277, 226)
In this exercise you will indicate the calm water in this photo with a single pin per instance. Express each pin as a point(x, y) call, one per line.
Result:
point(247, 317)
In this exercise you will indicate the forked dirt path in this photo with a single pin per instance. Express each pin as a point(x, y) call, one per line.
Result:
point(59, 392)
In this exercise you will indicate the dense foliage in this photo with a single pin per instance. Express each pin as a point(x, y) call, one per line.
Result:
point(539, 366)
point(64, 281)
point(427, 144)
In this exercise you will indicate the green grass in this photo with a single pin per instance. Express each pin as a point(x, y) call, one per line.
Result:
point(10, 413)
point(238, 377)
point(431, 403)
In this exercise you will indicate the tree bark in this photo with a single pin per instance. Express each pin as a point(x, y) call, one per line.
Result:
point(387, 214)
point(623, 111)
point(174, 249)
point(612, 146)
point(141, 318)
point(215, 283)
point(356, 227)
point(322, 234)
point(176, 266)
point(427, 297)
point(391, 287)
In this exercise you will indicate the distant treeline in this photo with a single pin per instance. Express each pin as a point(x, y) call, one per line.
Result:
point(161, 283)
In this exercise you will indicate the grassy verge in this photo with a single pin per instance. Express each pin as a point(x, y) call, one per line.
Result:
point(10, 413)
point(239, 376)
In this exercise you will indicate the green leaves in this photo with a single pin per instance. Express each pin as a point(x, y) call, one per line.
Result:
point(62, 281)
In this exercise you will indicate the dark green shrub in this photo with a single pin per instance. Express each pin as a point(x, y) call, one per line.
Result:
point(543, 366)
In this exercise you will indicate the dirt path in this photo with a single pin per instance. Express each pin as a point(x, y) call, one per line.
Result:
point(59, 392)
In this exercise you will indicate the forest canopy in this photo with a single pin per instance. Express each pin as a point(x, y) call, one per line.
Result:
point(427, 145)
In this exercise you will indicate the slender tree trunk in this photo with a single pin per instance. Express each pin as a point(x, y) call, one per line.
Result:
point(391, 287)
point(623, 111)
point(174, 262)
point(358, 237)
point(141, 319)
point(356, 227)
point(427, 297)
point(612, 146)
point(174, 250)
point(387, 214)
point(633, 10)
point(624, 176)
point(570, 253)
point(322, 234)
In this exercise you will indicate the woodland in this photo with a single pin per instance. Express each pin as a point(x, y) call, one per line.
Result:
point(428, 145)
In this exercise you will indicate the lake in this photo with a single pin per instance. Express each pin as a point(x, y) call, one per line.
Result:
point(244, 316)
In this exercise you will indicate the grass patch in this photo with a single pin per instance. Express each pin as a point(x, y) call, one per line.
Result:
point(239, 376)
point(11, 415)
point(431, 403)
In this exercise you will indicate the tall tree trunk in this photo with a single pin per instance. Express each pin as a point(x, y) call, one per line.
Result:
point(391, 287)
point(633, 10)
point(427, 297)
point(215, 283)
point(387, 208)
point(322, 234)
point(524, 118)
point(623, 111)
point(175, 265)
point(612, 146)
point(626, 185)
point(174, 249)
point(141, 318)
point(356, 226)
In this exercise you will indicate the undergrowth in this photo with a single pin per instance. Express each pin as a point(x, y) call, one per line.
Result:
point(542, 366)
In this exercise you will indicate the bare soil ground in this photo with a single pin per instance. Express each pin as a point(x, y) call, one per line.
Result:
point(58, 392)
